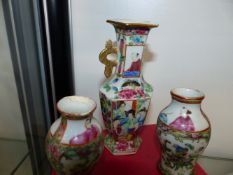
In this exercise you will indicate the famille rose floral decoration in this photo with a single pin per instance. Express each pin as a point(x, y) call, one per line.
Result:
point(75, 141)
point(184, 132)
point(125, 96)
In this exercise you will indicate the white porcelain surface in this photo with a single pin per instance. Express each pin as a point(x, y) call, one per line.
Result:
point(76, 105)
point(177, 109)
point(74, 128)
point(55, 126)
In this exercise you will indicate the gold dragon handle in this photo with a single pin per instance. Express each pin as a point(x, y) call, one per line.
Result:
point(103, 57)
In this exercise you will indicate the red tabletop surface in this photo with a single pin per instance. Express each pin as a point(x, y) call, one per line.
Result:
point(144, 162)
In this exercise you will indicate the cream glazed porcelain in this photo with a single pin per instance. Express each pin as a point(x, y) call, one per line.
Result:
point(184, 132)
point(75, 141)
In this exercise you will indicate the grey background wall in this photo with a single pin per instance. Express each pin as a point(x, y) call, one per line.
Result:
point(11, 124)
point(191, 48)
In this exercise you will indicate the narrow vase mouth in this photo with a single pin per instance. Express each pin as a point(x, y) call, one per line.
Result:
point(187, 95)
point(76, 106)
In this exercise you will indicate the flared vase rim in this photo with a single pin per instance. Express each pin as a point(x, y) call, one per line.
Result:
point(128, 23)
point(187, 95)
point(77, 103)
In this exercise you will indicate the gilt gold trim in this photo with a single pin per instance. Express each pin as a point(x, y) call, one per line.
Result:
point(185, 99)
point(121, 24)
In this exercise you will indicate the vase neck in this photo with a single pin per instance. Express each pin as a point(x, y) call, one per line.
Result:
point(73, 117)
point(178, 103)
point(130, 44)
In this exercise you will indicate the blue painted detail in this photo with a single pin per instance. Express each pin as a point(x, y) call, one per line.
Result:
point(115, 88)
point(163, 117)
point(130, 130)
point(115, 80)
point(117, 117)
point(123, 121)
point(141, 120)
point(131, 74)
point(180, 149)
point(137, 40)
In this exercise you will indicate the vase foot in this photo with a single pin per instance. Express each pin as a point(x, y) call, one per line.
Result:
point(122, 147)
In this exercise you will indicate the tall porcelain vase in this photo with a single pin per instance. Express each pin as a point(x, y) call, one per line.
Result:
point(125, 96)
point(184, 132)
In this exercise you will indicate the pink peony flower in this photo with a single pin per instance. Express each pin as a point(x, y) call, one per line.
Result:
point(92, 133)
point(195, 135)
point(130, 93)
point(78, 140)
point(183, 123)
point(122, 145)
point(141, 32)
point(87, 136)
point(53, 149)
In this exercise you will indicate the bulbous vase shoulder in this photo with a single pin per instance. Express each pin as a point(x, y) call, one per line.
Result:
point(75, 140)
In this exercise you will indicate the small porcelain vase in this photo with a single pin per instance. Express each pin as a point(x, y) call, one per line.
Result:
point(184, 132)
point(75, 141)
point(125, 96)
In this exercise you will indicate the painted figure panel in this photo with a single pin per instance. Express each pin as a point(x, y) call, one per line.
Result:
point(128, 116)
point(133, 58)
point(180, 150)
point(106, 111)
